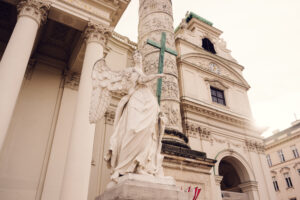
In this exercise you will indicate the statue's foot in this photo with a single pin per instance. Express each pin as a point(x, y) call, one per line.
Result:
point(141, 171)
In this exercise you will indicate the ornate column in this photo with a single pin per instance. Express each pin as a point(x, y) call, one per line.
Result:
point(155, 17)
point(78, 166)
point(32, 13)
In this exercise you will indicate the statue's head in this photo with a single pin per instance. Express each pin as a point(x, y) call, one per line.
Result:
point(137, 58)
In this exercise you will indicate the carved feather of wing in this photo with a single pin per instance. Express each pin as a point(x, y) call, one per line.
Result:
point(104, 82)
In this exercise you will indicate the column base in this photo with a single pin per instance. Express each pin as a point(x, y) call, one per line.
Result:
point(143, 187)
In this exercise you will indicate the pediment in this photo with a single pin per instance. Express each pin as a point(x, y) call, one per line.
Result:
point(216, 83)
point(273, 173)
point(297, 165)
point(216, 67)
point(284, 170)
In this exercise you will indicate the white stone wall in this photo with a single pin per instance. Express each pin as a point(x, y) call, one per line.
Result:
point(27, 145)
point(291, 165)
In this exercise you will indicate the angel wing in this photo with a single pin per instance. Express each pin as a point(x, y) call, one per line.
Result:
point(104, 81)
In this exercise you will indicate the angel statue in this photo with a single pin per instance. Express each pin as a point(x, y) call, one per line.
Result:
point(135, 144)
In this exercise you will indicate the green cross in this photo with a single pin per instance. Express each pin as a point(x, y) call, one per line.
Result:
point(163, 49)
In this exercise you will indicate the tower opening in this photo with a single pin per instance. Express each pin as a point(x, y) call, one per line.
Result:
point(208, 45)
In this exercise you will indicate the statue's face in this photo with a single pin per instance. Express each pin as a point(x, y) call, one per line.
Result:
point(137, 58)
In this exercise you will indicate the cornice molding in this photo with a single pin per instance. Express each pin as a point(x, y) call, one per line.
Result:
point(123, 39)
point(215, 114)
point(186, 164)
point(282, 141)
point(249, 186)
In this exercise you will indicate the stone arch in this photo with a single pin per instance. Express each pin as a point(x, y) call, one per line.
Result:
point(247, 184)
point(246, 173)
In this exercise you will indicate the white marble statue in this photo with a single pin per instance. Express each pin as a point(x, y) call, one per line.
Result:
point(138, 127)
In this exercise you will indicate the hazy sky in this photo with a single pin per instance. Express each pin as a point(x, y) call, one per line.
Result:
point(264, 37)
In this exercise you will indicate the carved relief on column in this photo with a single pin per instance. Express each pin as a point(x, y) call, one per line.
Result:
point(147, 49)
point(97, 33)
point(170, 89)
point(35, 9)
point(158, 23)
point(172, 113)
point(151, 63)
point(155, 6)
point(72, 80)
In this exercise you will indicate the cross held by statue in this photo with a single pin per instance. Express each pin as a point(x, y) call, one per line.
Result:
point(163, 49)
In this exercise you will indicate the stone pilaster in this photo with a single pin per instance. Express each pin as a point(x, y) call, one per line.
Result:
point(155, 17)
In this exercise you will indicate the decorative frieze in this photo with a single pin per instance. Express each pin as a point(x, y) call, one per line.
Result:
point(35, 9)
point(196, 130)
point(72, 80)
point(255, 146)
point(97, 33)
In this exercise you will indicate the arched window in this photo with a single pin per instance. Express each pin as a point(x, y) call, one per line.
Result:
point(208, 45)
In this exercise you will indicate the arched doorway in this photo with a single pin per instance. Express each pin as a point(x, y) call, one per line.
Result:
point(231, 179)
point(238, 179)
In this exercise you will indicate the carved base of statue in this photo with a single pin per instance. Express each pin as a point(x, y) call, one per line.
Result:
point(143, 187)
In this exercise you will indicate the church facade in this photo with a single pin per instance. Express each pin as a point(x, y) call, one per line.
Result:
point(50, 151)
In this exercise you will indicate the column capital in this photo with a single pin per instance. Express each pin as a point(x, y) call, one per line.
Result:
point(97, 33)
point(35, 9)
point(72, 80)
point(218, 179)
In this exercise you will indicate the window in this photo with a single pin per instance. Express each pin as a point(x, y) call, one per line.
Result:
point(281, 156)
point(269, 160)
point(208, 45)
point(295, 151)
point(288, 180)
point(217, 96)
point(275, 184)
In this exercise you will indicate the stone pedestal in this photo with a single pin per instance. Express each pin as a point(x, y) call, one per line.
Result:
point(144, 187)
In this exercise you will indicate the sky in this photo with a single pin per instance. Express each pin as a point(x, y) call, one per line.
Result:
point(264, 37)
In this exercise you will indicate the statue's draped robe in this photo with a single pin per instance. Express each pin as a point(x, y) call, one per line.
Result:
point(135, 140)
